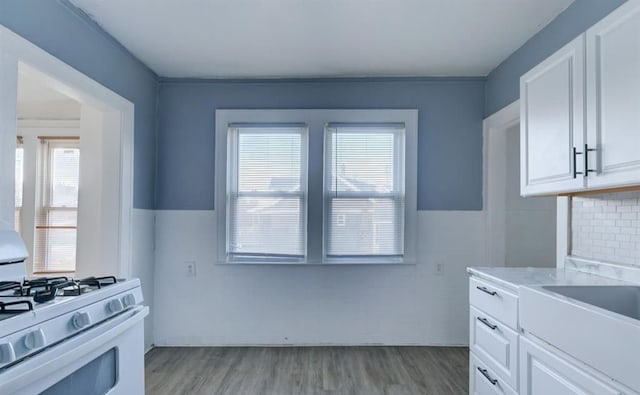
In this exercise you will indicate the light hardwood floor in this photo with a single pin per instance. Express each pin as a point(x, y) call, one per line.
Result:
point(307, 371)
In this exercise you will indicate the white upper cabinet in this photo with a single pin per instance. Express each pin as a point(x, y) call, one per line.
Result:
point(613, 98)
point(595, 78)
point(551, 123)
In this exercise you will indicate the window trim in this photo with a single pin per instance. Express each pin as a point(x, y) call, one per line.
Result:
point(399, 141)
point(303, 194)
point(43, 199)
point(18, 211)
point(316, 121)
point(32, 132)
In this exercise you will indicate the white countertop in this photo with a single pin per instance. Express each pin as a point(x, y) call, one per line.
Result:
point(513, 277)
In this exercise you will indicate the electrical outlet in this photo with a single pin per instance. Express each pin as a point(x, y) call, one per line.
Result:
point(190, 266)
point(438, 268)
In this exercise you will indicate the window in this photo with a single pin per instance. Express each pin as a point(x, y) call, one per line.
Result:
point(19, 182)
point(57, 212)
point(267, 192)
point(316, 186)
point(364, 191)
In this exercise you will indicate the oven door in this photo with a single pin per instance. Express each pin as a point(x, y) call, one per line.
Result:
point(105, 359)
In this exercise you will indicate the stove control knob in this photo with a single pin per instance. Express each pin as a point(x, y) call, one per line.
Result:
point(35, 339)
point(81, 319)
point(128, 300)
point(115, 306)
point(7, 353)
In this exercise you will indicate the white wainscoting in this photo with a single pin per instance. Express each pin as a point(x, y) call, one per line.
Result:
point(142, 257)
point(314, 305)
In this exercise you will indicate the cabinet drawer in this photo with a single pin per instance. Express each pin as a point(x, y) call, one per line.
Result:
point(544, 373)
point(495, 301)
point(484, 381)
point(496, 344)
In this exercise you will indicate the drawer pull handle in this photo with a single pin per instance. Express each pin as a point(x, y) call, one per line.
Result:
point(575, 163)
point(485, 290)
point(486, 375)
point(486, 322)
point(587, 170)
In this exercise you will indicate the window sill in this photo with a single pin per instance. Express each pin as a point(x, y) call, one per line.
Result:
point(53, 274)
point(326, 263)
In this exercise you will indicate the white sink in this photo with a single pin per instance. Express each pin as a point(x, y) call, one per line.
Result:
point(619, 299)
point(598, 325)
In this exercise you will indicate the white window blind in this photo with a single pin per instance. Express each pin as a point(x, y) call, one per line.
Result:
point(364, 188)
point(19, 182)
point(266, 192)
point(56, 219)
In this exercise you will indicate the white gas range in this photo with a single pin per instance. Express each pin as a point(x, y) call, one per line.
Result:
point(65, 336)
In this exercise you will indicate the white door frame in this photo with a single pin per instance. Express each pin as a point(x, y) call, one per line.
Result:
point(495, 199)
point(16, 51)
point(495, 187)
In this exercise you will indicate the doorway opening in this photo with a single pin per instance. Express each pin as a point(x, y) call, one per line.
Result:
point(521, 231)
point(66, 151)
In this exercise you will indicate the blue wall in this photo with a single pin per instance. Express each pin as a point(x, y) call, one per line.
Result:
point(450, 123)
point(62, 30)
point(503, 83)
point(449, 135)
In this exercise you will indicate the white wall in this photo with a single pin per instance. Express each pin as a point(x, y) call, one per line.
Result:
point(142, 257)
point(530, 222)
point(251, 305)
point(8, 91)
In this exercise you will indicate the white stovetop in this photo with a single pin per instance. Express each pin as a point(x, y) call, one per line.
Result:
point(60, 305)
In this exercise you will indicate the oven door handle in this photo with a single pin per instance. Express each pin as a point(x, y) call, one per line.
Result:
point(50, 361)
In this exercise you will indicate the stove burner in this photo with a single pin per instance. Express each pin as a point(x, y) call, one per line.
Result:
point(75, 290)
point(50, 291)
point(27, 306)
point(46, 289)
point(40, 284)
point(98, 281)
point(44, 281)
point(9, 285)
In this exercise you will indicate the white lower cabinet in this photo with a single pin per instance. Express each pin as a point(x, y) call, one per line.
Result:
point(544, 373)
point(484, 381)
point(493, 339)
point(504, 360)
point(496, 344)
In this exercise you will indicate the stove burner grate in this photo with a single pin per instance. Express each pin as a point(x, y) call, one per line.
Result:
point(45, 289)
point(10, 285)
point(12, 307)
point(98, 281)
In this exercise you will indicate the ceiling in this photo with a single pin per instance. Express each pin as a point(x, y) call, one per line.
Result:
point(321, 38)
point(38, 101)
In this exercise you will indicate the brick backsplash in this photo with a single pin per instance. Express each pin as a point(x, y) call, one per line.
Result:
point(607, 227)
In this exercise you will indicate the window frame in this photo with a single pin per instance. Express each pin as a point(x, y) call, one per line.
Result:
point(399, 187)
point(32, 131)
point(43, 198)
point(17, 220)
point(316, 121)
point(232, 184)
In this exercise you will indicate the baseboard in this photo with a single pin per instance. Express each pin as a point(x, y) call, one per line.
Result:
point(309, 345)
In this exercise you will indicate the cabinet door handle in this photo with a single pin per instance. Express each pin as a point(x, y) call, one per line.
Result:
point(486, 375)
point(575, 163)
point(485, 290)
point(586, 160)
point(487, 323)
